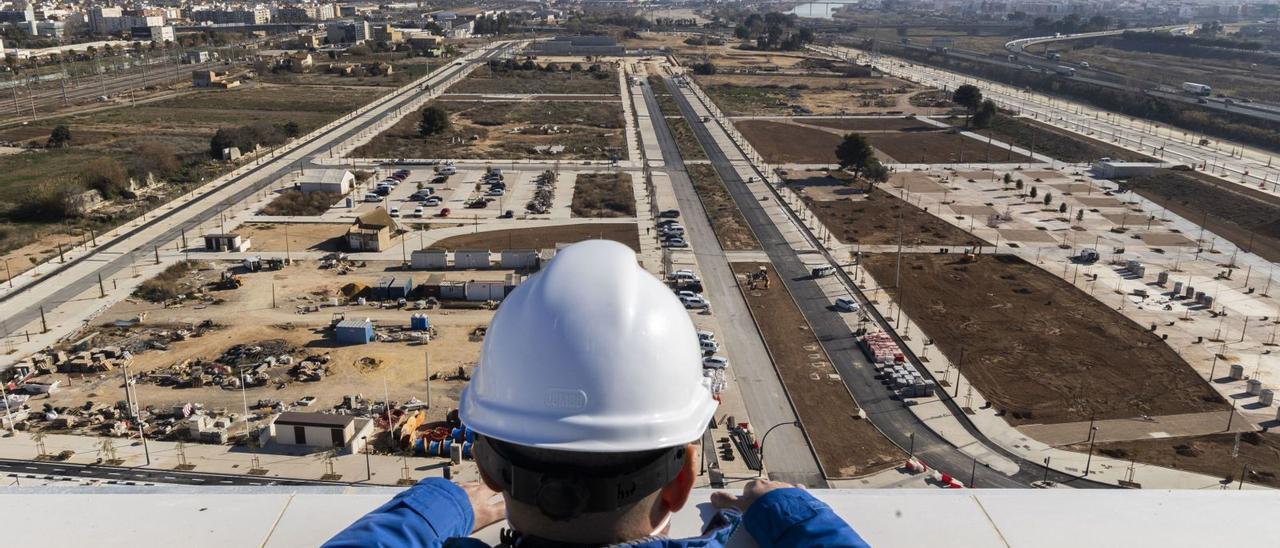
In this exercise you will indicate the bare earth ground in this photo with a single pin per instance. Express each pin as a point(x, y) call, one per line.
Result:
point(1054, 142)
point(603, 195)
point(747, 95)
point(867, 124)
point(301, 236)
point(792, 142)
point(846, 445)
point(508, 130)
point(1247, 218)
point(1039, 349)
point(872, 218)
point(726, 219)
point(402, 369)
point(544, 237)
point(1211, 455)
point(485, 80)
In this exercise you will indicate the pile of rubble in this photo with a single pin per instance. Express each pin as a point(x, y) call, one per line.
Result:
point(260, 364)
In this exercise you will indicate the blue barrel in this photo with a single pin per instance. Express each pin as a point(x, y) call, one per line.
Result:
point(466, 450)
point(433, 449)
point(444, 447)
point(350, 202)
point(456, 434)
point(418, 322)
point(471, 435)
point(418, 447)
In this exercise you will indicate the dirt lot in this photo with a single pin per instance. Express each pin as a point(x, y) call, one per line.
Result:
point(588, 130)
point(774, 94)
point(939, 147)
point(886, 123)
point(401, 366)
point(488, 80)
point(603, 195)
point(872, 218)
point(813, 142)
point(267, 237)
point(1054, 142)
point(846, 445)
point(1210, 455)
point(1040, 350)
point(544, 237)
point(1246, 217)
point(726, 219)
point(781, 142)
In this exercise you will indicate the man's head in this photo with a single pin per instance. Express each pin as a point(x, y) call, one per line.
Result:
point(588, 398)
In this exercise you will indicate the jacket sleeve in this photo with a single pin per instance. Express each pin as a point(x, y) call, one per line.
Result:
point(793, 517)
point(424, 515)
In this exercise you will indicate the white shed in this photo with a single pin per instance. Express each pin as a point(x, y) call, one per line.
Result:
point(327, 180)
point(429, 259)
point(471, 258)
point(486, 290)
point(516, 259)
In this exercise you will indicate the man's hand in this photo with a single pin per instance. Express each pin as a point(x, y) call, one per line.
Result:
point(752, 491)
point(485, 508)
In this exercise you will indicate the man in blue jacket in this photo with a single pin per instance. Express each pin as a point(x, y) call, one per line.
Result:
point(586, 405)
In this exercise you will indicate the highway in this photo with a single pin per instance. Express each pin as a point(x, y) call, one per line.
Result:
point(788, 455)
point(1167, 143)
point(23, 305)
point(894, 420)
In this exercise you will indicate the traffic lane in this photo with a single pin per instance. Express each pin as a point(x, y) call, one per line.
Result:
point(790, 458)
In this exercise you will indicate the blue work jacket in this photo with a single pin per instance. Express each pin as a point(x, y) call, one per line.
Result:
point(435, 511)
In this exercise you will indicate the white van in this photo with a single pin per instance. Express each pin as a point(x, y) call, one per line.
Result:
point(446, 170)
point(372, 197)
point(823, 271)
point(683, 276)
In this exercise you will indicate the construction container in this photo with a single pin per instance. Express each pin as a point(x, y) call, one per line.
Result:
point(1162, 278)
point(401, 288)
point(353, 331)
point(1237, 371)
point(1266, 397)
point(1253, 387)
point(382, 289)
point(1132, 264)
point(419, 322)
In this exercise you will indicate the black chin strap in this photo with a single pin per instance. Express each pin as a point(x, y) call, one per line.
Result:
point(562, 492)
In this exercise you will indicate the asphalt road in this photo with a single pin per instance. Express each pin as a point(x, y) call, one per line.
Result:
point(894, 420)
point(114, 260)
point(788, 455)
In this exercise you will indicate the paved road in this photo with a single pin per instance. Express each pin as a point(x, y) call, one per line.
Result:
point(113, 256)
point(896, 422)
point(788, 455)
point(129, 476)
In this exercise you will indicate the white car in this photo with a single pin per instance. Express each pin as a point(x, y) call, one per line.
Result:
point(683, 276)
point(695, 302)
point(706, 336)
point(715, 362)
point(433, 200)
point(395, 212)
point(675, 242)
point(418, 211)
point(708, 345)
point(846, 305)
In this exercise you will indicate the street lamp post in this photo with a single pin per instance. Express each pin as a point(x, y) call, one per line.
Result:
point(766, 437)
point(1093, 435)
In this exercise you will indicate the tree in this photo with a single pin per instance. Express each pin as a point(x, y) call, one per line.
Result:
point(969, 97)
point(986, 113)
point(1080, 214)
point(154, 158)
point(1019, 184)
point(1033, 192)
point(60, 137)
point(855, 154)
point(1048, 198)
point(1062, 207)
point(1008, 178)
point(434, 120)
point(106, 176)
point(704, 69)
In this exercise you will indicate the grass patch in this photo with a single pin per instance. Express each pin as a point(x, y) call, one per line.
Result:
point(169, 284)
point(690, 148)
point(294, 202)
point(603, 195)
point(487, 79)
point(726, 220)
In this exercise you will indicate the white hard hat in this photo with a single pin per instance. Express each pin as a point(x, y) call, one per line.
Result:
point(592, 354)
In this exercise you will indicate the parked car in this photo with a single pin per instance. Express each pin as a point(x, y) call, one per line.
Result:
point(444, 212)
point(715, 362)
point(446, 170)
point(418, 211)
point(508, 214)
point(823, 271)
point(495, 192)
point(695, 302)
point(372, 197)
point(676, 243)
point(845, 304)
point(708, 346)
point(395, 212)
point(669, 214)
point(667, 222)
point(432, 201)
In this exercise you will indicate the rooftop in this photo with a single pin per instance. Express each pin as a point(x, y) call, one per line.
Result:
point(314, 419)
point(298, 516)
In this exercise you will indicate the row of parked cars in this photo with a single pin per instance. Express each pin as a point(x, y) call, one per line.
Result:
point(670, 230)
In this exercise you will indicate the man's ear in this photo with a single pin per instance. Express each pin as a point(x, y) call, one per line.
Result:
point(676, 493)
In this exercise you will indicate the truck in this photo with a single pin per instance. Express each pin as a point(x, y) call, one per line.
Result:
point(1053, 56)
point(1197, 89)
point(1064, 71)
